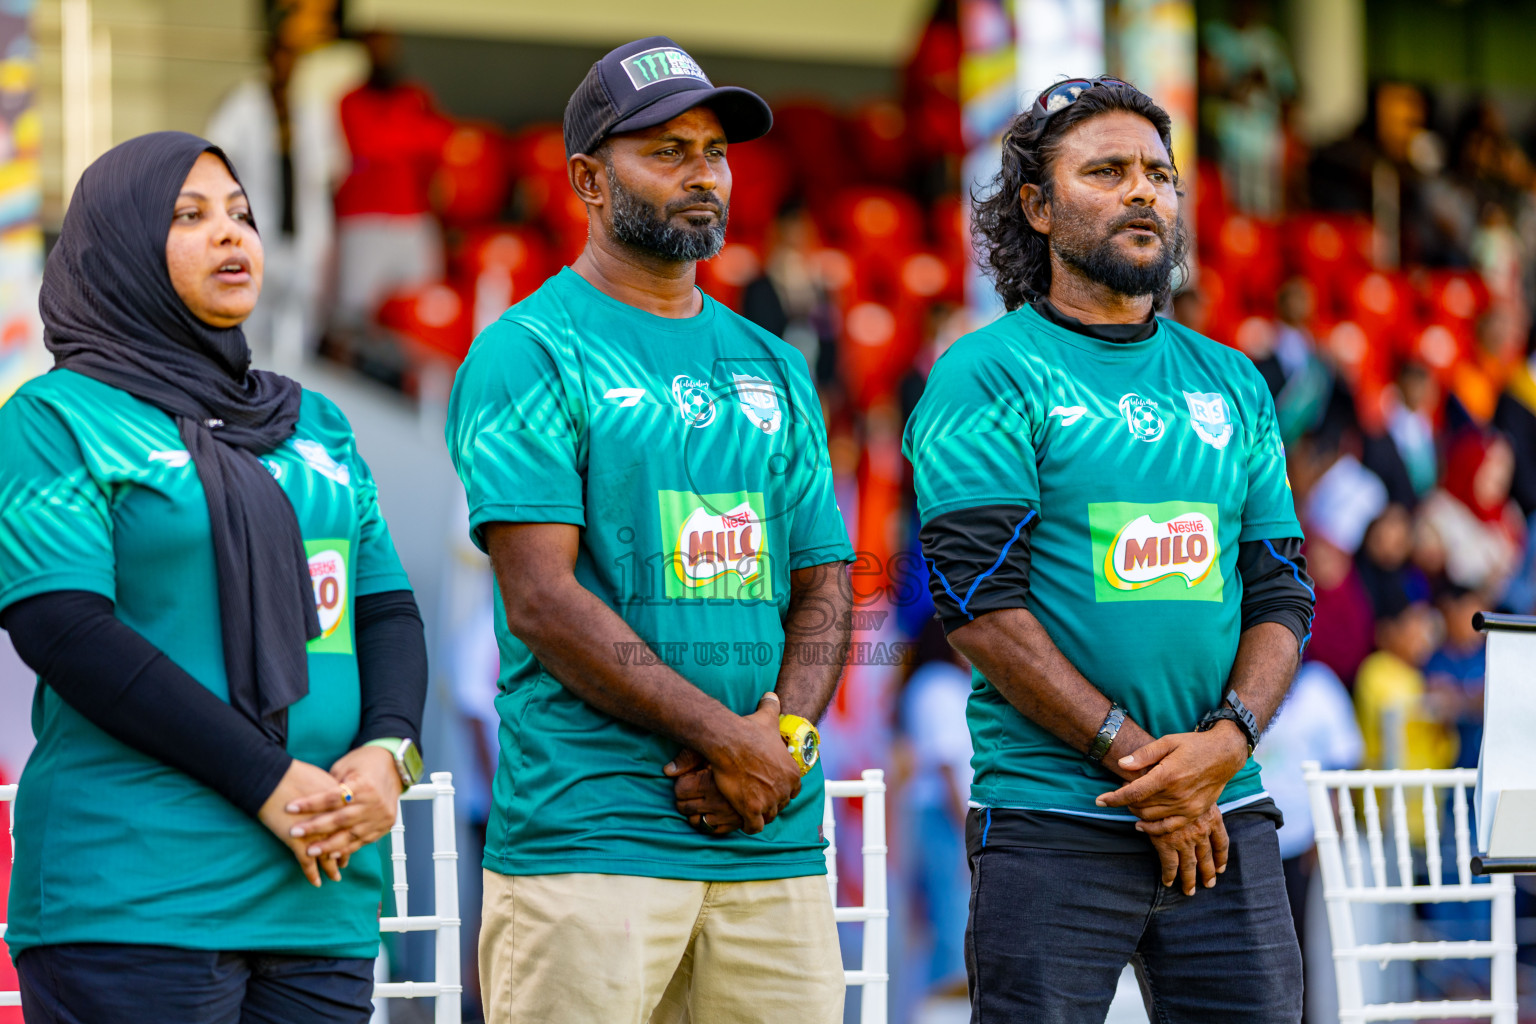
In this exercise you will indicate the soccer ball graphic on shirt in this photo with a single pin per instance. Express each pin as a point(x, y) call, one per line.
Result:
point(694, 399)
point(1141, 417)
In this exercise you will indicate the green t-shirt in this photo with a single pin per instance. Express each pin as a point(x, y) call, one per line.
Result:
point(1148, 463)
point(98, 493)
point(692, 454)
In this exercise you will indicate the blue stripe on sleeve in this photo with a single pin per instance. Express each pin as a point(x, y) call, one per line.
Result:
point(1296, 571)
point(977, 581)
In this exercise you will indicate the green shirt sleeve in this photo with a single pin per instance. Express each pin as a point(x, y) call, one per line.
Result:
point(1270, 509)
point(970, 439)
point(55, 519)
point(817, 533)
point(515, 434)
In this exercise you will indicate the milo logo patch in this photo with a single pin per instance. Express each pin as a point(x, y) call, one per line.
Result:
point(717, 544)
point(1165, 551)
point(328, 577)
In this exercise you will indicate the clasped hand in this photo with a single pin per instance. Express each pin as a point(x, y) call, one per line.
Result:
point(310, 815)
point(747, 786)
point(1177, 782)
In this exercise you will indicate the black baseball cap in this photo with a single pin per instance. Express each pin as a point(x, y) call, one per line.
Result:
point(649, 82)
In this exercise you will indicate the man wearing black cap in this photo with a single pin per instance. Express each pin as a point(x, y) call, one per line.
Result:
point(648, 472)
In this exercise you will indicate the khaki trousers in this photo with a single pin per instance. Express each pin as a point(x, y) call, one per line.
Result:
point(620, 949)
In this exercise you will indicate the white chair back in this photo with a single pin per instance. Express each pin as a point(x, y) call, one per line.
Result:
point(1353, 877)
point(8, 797)
point(873, 975)
point(447, 985)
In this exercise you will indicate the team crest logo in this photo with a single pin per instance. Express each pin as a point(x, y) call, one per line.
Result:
point(758, 402)
point(695, 401)
point(1141, 417)
point(1209, 416)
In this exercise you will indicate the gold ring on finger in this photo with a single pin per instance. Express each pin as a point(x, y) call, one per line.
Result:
point(346, 793)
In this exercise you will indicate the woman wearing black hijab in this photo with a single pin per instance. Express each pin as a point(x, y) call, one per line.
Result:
point(231, 665)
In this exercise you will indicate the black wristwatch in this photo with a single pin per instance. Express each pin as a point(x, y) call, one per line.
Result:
point(1107, 733)
point(1233, 710)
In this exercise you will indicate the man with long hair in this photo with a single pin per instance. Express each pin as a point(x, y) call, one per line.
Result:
point(1113, 544)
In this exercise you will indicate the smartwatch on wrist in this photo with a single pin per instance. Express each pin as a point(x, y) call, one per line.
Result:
point(1235, 711)
point(802, 739)
point(1107, 733)
point(407, 759)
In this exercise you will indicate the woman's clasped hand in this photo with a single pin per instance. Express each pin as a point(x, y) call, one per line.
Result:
point(310, 813)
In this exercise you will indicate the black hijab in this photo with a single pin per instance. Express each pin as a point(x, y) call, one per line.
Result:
point(110, 313)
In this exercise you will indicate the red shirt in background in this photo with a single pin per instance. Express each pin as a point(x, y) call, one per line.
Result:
point(396, 139)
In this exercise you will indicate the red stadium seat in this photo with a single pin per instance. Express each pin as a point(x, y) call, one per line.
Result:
point(471, 183)
point(761, 180)
point(436, 318)
point(879, 134)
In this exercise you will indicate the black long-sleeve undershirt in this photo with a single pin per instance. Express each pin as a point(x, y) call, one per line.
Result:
point(127, 687)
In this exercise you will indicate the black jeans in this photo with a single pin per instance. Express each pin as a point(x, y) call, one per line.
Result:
point(1051, 930)
point(107, 983)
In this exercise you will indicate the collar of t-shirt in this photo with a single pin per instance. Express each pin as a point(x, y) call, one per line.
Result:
point(1118, 333)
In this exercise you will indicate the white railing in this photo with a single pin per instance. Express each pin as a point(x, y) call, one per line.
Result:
point(1354, 876)
point(446, 987)
point(874, 913)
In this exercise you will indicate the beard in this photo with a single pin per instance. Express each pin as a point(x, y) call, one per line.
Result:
point(638, 224)
point(1097, 257)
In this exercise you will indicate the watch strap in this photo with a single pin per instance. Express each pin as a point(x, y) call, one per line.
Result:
point(803, 740)
point(407, 767)
point(1107, 733)
point(1243, 719)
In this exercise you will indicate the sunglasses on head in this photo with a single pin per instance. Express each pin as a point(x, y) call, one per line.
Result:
point(1064, 94)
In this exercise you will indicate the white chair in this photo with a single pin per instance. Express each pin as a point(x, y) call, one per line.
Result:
point(445, 921)
point(447, 986)
point(1348, 884)
point(872, 974)
point(8, 797)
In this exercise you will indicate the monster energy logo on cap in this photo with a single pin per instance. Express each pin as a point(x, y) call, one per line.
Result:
point(660, 65)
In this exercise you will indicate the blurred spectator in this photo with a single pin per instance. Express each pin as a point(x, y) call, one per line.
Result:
point(282, 131)
point(387, 237)
point(791, 298)
point(1391, 702)
point(1455, 671)
point(1477, 382)
point(1407, 456)
point(1515, 416)
point(1342, 623)
point(1469, 523)
point(932, 717)
point(1384, 559)
point(1316, 723)
point(1248, 79)
point(1343, 503)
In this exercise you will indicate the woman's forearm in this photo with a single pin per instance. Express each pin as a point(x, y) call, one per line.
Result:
point(127, 687)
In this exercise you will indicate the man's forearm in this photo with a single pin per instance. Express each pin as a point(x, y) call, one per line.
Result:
point(1266, 663)
point(1018, 657)
point(576, 637)
point(820, 603)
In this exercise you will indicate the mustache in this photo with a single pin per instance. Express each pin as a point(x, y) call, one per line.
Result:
point(701, 199)
point(1125, 219)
